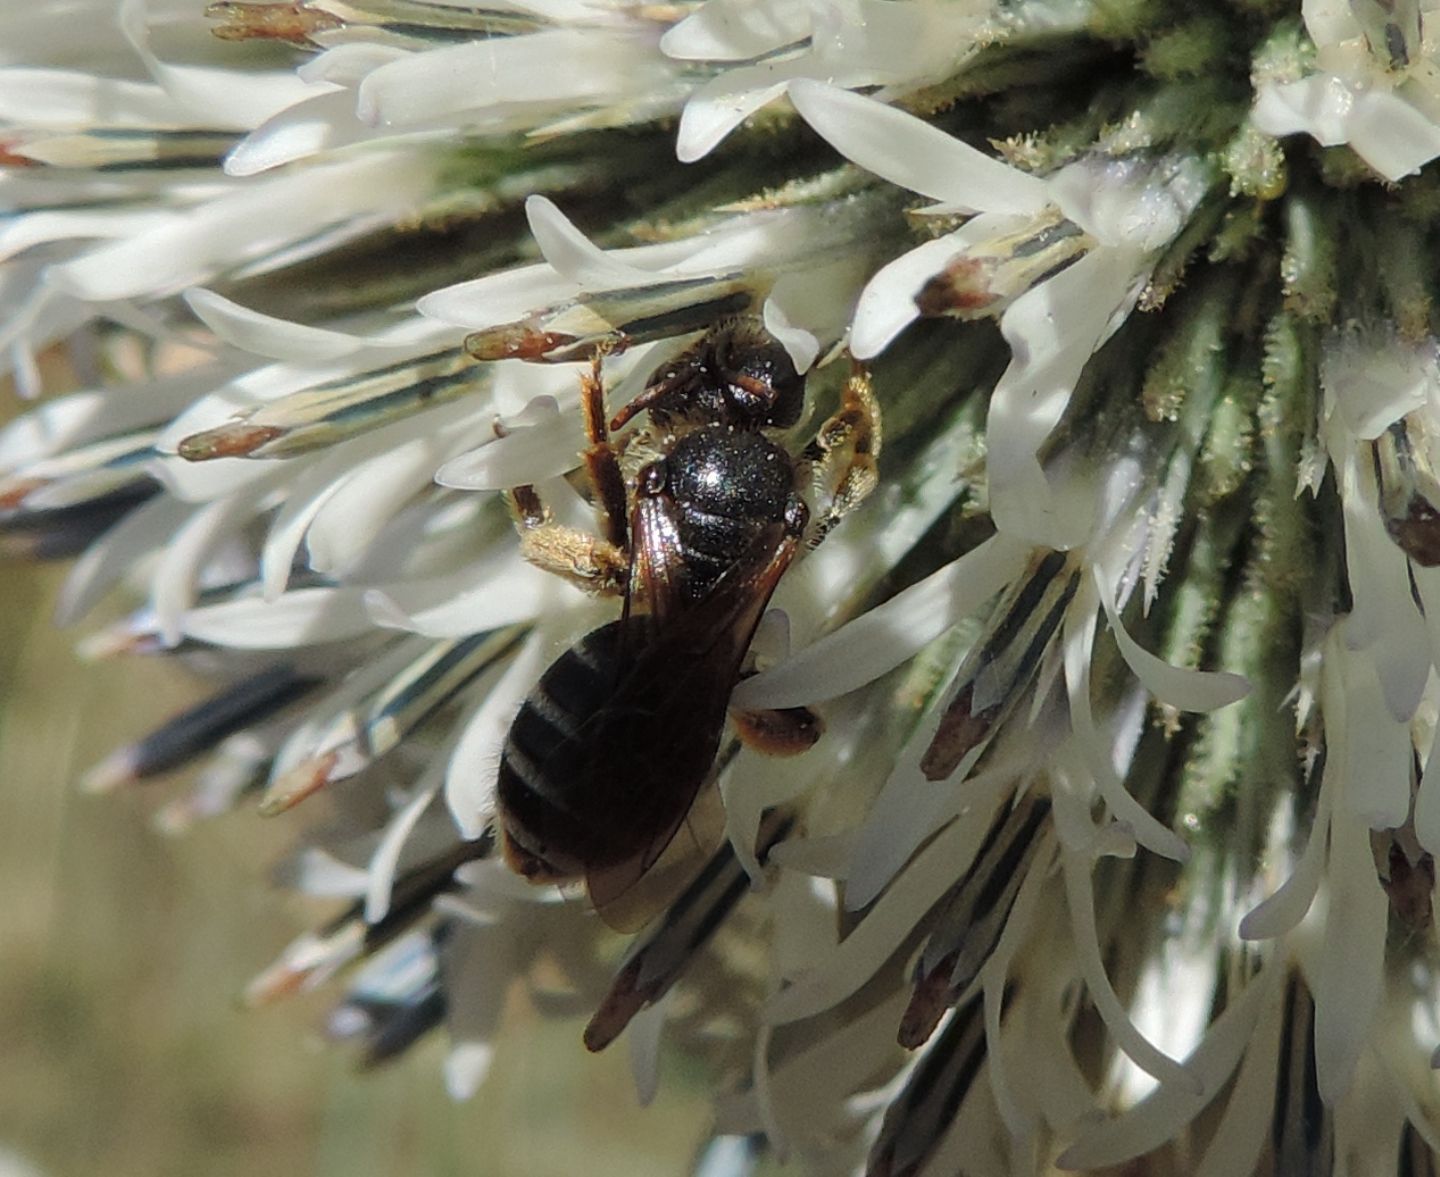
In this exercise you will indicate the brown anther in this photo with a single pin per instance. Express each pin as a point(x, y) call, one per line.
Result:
point(295, 24)
point(227, 441)
point(962, 288)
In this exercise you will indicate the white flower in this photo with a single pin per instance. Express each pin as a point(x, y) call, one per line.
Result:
point(1053, 324)
point(1377, 89)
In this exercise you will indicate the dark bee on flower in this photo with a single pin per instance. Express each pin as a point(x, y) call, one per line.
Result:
point(603, 765)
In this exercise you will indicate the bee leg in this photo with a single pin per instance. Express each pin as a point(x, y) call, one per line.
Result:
point(843, 454)
point(586, 561)
point(601, 463)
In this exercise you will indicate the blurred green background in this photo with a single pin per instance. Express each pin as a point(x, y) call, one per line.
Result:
point(123, 1050)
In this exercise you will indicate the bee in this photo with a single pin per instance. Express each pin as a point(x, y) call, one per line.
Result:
point(605, 761)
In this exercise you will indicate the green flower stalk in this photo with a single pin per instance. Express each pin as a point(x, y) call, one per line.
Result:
point(1117, 849)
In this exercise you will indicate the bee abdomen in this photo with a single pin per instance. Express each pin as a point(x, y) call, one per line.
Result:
point(546, 764)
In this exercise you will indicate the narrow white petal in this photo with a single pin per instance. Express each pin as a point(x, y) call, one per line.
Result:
point(1079, 638)
point(1391, 135)
point(1162, 1114)
point(39, 228)
point(117, 552)
point(1187, 690)
point(718, 107)
point(1284, 910)
point(732, 30)
point(911, 153)
point(644, 1032)
point(1080, 899)
point(1427, 803)
point(265, 335)
point(218, 96)
point(884, 928)
point(573, 256)
point(489, 595)
point(887, 304)
point(1249, 1112)
point(175, 583)
point(881, 639)
point(324, 122)
point(1375, 752)
point(1319, 106)
point(1052, 331)
point(555, 68)
point(1351, 971)
point(380, 871)
point(470, 775)
point(65, 99)
point(318, 873)
point(304, 617)
point(245, 224)
point(546, 447)
point(375, 489)
point(348, 64)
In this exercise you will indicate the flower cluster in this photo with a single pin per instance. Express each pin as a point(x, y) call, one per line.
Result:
point(1118, 845)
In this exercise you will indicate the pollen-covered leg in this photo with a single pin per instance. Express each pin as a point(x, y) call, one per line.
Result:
point(586, 561)
point(843, 456)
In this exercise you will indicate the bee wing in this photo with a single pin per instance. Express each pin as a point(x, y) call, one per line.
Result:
point(669, 711)
point(656, 559)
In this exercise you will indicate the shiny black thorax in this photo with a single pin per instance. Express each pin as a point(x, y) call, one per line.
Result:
point(727, 485)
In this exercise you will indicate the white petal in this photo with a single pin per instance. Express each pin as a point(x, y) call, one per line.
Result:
point(1427, 803)
point(348, 64)
point(64, 100)
point(265, 335)
point(301, 618)
point(911, 153)
point(1079, 639)
point(219, 96)
point(573, 256)
point(175, 583)
point(1391, 135)
point(883, 929)
point(1052, 331)
point(717, 108)
point(1284, 910)
point(324, 122)
point(1249, 1112)
point(117, 552)
point(1318, 106)
point(380, 871)
point(1080, 899)
point(558, 67)
point(245, 224)
point(887, 304)
point(1161, 1115)
point(1187, 690)
point(644, 1033)
point(470, 776)
point(800, 344)
point(734, 30)
point(545, 447)
point(493, 593)
point(372, 492)
point(1351, 971)
point(318, 873)
point(881, 639)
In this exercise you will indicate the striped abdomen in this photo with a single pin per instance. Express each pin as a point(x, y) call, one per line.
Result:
point(556, 815)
